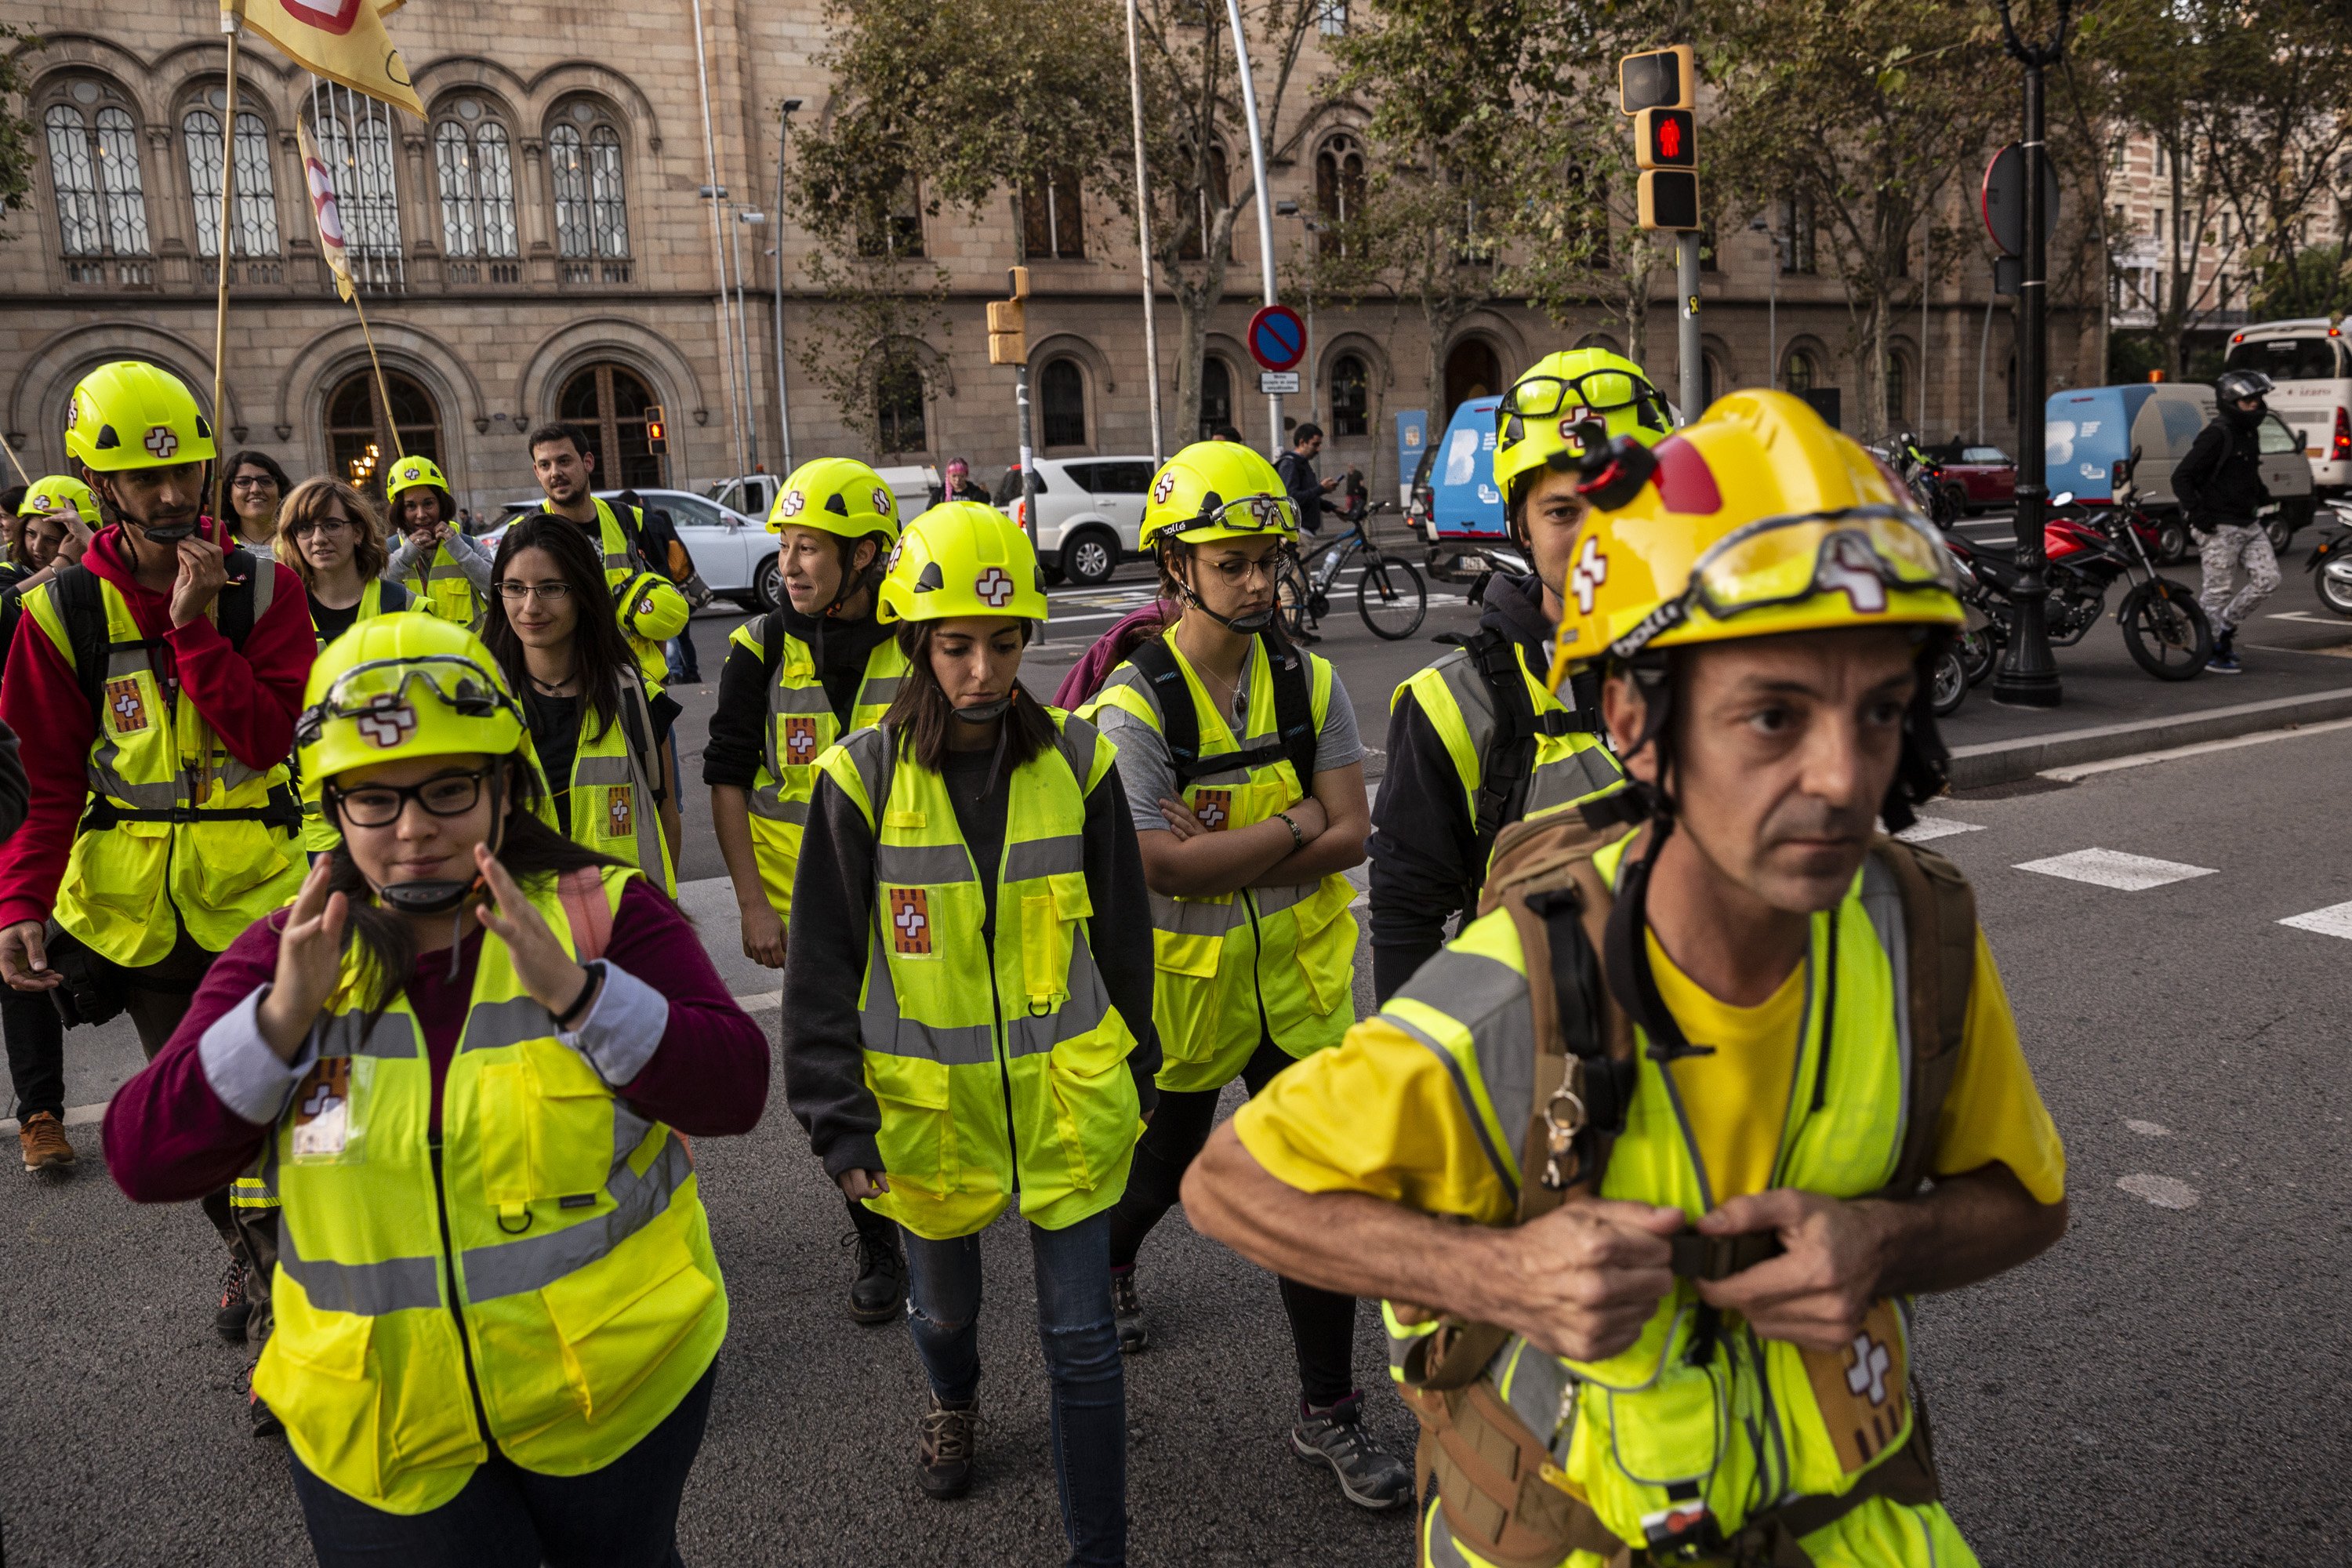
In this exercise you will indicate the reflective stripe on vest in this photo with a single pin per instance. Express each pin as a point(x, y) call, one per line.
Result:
point(798, 728)
point(584, 1291)
point(613, 808)
point(1453, 696)
point(1754, 1422)
point(1284, 956)
point(998, 1066)
point(127, 889)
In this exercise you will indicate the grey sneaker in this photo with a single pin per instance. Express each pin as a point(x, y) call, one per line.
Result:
point(1126, 1307)
point(1368, 1474)
point(947, 1437)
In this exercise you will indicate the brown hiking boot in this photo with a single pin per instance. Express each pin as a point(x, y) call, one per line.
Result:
point(43, 1139)
point(947, 1436)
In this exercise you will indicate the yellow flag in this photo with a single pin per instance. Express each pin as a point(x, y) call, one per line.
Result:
point(321, 183)
point(342, 40)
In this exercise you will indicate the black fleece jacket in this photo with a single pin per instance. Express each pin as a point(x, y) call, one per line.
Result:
point(833, 920)
point(739, 726)
point(2221, 479)
point(1424, 846)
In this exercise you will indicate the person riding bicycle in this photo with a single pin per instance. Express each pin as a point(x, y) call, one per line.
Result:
point(2221, 492)
point(1476, 739)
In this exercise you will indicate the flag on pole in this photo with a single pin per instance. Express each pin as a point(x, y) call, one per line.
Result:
point(342, 40)
point(322, 181)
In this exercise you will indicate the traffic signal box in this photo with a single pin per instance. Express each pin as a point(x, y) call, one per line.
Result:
point(1655, 88)
point(657, 430)
point(1008, 323)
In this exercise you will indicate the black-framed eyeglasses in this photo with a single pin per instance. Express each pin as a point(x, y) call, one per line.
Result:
point(319, 525)
point(253, 482)
point(515, 592)
point(380, 805)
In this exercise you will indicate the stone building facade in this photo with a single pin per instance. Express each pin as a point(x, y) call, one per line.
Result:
point(541, 245)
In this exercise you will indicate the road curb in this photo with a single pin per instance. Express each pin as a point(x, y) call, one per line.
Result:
point(2005, 761)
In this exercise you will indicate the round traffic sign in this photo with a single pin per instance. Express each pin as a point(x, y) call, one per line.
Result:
point(1276, 336)
point(2002, 200)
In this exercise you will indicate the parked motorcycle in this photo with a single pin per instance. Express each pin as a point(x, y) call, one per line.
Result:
point(2166, 538)
point(2331, 563)
point(2164, 630)
point(1923, 478)
point(1972, 656)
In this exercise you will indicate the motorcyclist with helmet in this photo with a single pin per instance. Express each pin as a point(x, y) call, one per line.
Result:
point(2221, 492)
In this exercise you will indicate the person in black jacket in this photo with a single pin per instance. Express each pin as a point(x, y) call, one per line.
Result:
point(2220, 484)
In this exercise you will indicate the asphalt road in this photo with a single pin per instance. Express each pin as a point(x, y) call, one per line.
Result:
point(2165, 1386)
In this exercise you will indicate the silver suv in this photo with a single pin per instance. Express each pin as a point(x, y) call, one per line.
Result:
point(1089, 513)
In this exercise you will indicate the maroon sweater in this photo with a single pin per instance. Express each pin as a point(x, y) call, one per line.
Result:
point(168, 1137)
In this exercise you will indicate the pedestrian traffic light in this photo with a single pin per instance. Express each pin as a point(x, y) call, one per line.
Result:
point(1666, 139)
point(1008, 323)
point(1669, 199)
point(657, 430)
point(1656, 78)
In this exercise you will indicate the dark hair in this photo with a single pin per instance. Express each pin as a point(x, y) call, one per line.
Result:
point(531, 850)
point(14, 497)
point(548, 434)
point(254, 458)
point(1307, 431)
point(919, 715)
point(601, 656)
point(1225, 433)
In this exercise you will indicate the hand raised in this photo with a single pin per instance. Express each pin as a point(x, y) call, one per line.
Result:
point(548, 973)
point(203, 573)
point(310, 963)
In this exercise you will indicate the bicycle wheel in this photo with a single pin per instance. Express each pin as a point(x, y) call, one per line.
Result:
point(1391, 597)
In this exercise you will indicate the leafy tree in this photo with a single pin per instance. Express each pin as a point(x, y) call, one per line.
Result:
point(15, 131)
point(2313, 283)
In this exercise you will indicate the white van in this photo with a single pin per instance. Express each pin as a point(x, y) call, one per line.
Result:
point(2312, 365)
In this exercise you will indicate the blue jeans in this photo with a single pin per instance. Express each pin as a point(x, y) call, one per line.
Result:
point(622, 1516)
point(1081, 1344)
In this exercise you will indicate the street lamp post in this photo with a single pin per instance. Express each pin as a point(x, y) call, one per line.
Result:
point(1772, 305)
point(2028, 676)
point(783, 409)
point(752, 217)
point(717, 197)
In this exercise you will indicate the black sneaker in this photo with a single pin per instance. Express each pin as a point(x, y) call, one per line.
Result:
point(879, 1292)
point(1368, 1474)
point(1126, 1307)
point(946, 1439)
point(260, 1417)
point(234, 1308)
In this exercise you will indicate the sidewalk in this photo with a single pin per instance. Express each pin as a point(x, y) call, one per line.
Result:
point(2298, 669)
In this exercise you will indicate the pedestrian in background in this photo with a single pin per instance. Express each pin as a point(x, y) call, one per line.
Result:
point(959, 485)
point(443, 568)
point(2220, 485)
point(258, 486)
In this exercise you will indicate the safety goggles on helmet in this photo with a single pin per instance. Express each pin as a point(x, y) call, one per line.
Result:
point(1244, 514)
point(376, 696)
point(1859, 550)
point(1596, 391)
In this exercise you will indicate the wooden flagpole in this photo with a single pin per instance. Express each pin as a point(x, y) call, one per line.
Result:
point(220, 309)
point(14, 461)
point(382, 391)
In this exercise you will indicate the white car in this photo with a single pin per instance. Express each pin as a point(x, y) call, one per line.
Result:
point(1089, 513)
point(754, 495)
point(735, 554)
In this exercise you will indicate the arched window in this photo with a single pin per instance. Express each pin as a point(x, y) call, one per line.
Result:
point(898, 423)
point(358, 156)
point(1216, 397)
point(94, 165)
point(1339, 187)
point(475, 163)
point(1801, 373)
point(592, 210)
point(609, 402)
point(1472, 370)
point(1351, 396)
point(1897, 387)
point(253, 229)
point(360, 429)
point(1062, 403)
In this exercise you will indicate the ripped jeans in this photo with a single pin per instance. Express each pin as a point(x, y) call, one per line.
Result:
point(1082, 1359)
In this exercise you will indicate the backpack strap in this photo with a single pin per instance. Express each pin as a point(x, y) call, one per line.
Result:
point(1180, 723)
point(81, 605)
point(1508, 767)
point(1295, 732)
point(1294, 706)
point(582, 893)
point(1939, 927)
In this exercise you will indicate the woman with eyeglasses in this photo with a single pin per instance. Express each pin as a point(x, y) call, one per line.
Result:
point(462, 1062)
point(599, 725)
point(258, 486)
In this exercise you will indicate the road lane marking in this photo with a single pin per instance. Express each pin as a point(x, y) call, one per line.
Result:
point(2164, 1191)
point(2081, 771)
point(1928, 829)
point(2114, 868)
point(2336, 920)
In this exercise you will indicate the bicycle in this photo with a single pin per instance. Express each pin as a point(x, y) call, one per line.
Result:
point(1389, 595)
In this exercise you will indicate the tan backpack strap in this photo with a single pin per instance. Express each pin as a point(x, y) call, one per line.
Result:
point(582, 893)
point(1939, 924)
point(1906, 1476)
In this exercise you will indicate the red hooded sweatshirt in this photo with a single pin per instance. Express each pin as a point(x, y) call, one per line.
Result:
point(249, 696)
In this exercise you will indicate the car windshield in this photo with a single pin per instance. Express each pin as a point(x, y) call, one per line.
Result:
point(1983, 455)
point(2289, 359)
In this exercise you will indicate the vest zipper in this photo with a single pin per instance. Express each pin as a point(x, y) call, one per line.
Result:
point(449, 1261)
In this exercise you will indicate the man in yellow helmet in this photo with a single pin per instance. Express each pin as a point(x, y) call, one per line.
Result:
point(1644, 1145)
point(449, 573)
point(162, 677)
point(796, 679)
point(1477, 739)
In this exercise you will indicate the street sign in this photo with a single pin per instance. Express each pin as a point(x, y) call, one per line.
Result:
point(1659, 79)
point(1276, 338)
point(2003, 199)
point(1277, 382)
point(1666, 139)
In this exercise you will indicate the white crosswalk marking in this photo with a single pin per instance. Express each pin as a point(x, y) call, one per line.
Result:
point(2114, 868)
point(1928, 829)
point(2336, 920)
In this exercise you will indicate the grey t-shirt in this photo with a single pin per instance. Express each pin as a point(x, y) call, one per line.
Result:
point(1148, 775)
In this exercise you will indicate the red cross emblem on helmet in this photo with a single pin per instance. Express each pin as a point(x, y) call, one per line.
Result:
point(162, 441)
point(882, 502)
point(994, 588)
point(791, 505)
point(1163, 489)
point(387, 724)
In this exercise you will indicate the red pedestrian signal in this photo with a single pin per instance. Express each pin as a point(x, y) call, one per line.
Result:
point(657, 430)
point(1666, 139)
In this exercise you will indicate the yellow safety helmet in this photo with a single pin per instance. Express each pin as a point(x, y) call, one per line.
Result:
point(1535, 424)
point(1756, 521)
point(57, 492)
point(962, 558)
point(1217, 489)
point(413, 473)
point(400, 686)
point(133, 415)
point(838, 495)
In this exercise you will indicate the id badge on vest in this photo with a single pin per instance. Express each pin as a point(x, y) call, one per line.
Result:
point(327, 1118)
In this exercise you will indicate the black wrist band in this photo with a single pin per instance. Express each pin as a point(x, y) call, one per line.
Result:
point(579, 1004)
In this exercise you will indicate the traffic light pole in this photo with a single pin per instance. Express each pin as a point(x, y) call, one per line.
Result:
point(1693, 365)
point(2028, 676)
point(1028, 455)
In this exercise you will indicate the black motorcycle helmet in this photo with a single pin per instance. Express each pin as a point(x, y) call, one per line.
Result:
point(2236, 386)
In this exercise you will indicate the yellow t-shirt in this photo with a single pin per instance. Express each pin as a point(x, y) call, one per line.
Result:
point(1380, 1113)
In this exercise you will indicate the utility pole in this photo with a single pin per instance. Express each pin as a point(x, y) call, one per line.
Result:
point(1008, 344)
point(2028, 676)
point(1143, 236)
point(784, 410)
point(1264, 207)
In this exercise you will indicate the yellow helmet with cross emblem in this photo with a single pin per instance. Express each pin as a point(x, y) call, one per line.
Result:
point(402, 686)
point(413, 473)
point(1535, 424)
point(60, 492)
point(962, 558)
point(133, 415)
point(835, 495)
point(1217, 489)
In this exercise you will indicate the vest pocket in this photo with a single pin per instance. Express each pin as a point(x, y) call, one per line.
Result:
point(236, 859)
point(918, 1132)
point(1325, 945)
point(546, 1130)
point(1668, 1436)
point(620, 1317)
point(1095, 1107)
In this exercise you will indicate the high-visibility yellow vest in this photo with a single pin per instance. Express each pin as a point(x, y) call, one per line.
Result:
point(999, 1066)
point(443, 589)
point(651, 610)
point(551, 1248)
point(615, 777)
point(800, 727)
point(1754, 1423)
point(180, 832)
point(318, 834)
point(1224, 961)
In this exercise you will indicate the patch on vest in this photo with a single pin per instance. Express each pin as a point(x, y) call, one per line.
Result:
point(910, 922)
point(620, 815)
point(125, 708)
point(322, 1110)
point(1863, 1388)
point(387, 723)
point(800, 739)
point(1214, 807)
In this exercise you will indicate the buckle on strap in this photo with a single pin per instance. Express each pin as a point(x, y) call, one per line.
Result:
point(1713, 1257)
